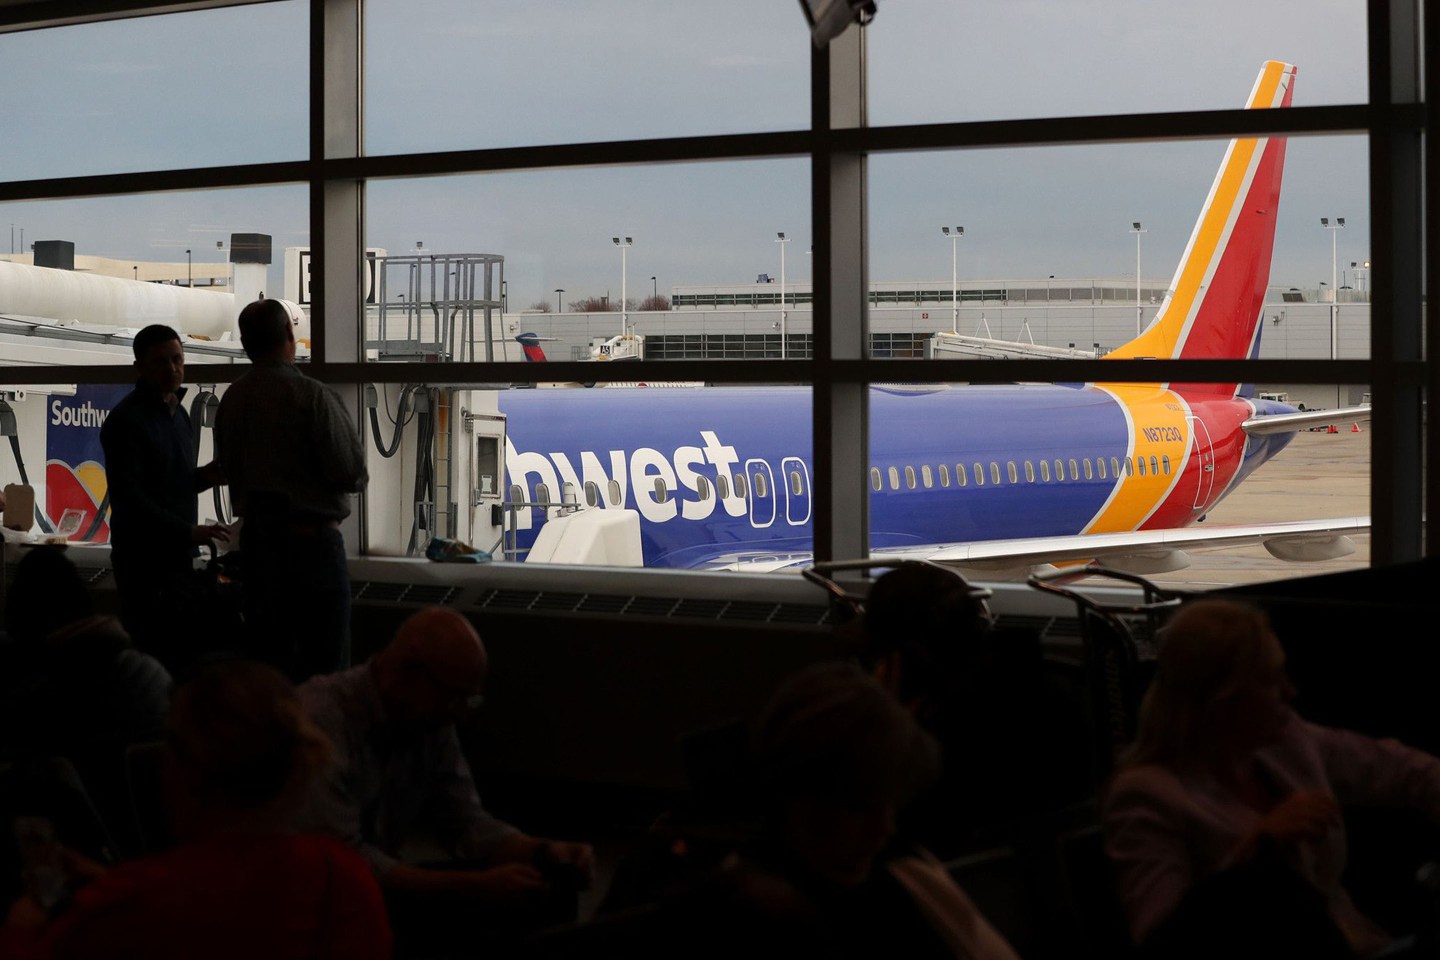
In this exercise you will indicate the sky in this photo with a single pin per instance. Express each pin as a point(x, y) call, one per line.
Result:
point(229, 86)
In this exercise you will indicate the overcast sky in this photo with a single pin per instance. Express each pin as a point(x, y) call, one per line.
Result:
point(230, 86)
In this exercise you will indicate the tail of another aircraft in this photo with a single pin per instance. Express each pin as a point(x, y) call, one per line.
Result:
point(1214, 307)
point(530, 343)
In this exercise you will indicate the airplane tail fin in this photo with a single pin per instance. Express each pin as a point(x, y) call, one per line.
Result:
point(530, 343)
point(1214, 307)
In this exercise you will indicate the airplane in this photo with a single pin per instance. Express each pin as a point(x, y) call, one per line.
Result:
point(994, 477)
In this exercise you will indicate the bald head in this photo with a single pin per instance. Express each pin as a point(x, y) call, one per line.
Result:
point(432, 669)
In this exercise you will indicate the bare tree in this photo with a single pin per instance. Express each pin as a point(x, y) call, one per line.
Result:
point(657, 302)
point(593, 305)
point(540, 306)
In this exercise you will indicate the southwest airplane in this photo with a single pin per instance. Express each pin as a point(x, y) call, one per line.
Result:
point(998, 478)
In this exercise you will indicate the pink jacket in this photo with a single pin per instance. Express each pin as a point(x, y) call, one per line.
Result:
point(1164, 831)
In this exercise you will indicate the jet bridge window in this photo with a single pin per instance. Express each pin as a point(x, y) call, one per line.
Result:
point(927, 476)
point(1011, 472)
point(615, 498)
point(876, 482)
point(909, 478)
point(1044, 471)
point(894, 479)
point(944, 475)
point(1029, 472)
point(592, 493)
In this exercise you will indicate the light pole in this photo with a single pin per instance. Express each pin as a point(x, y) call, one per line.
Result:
point(954, 275)
point(558, 292)
point(189, 272)
point(1136, 229)
point(624, 316)
point(1334, 229)
point(781, 239)
point(654, 292)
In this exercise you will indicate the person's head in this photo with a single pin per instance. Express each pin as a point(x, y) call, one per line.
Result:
point(922, 627)
point(836, 757)
point(159, 358)
point(241, 746)
point(46, 594)
point(267, 331)
point(1220, 689)
point(433, 672)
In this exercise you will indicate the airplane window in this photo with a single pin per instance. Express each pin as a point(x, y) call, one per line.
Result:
point(1074, 470)
point(615, 499)
point(1029, 472)
point(759, 485)
point(567, 492)
point(1044, 471)
point(1100, 467)
point(944, 475)
point(1089, 470)
point(517, 494)
point(662, 492)
point(1140, 465)
point(740, 485)
point(797, 484)
point(1115, 467)
point(1165, 461)
point(979, 475)
point(994, 472)
point(894, 479)
point(1129, 467)
point(1011, 472)
point(909, 478)
point(876, 483)
point(1154, 466)
point(592, 493)
point(542, 493)
point(927, 476)
point(702, 487)
point(1059, 470)
point(960, 476)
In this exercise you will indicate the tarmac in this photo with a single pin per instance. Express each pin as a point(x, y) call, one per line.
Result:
point(1319, 475)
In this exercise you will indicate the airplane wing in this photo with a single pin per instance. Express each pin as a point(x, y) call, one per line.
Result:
point(1140, 551)
point(1292, 422)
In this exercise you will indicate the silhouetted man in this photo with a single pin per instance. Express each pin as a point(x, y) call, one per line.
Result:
point(153, 482)
point(293, 458)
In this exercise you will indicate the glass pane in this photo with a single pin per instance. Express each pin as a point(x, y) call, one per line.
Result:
point(1049, 252)
point(1186, 445)
point(467, 74)
point(157, 93)
point(546, 259)
point(935, 61)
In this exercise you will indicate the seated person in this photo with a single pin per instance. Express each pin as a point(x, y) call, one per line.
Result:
point(403, 781)
point(1011, 732)
point(240, 883)
point(74, 686)
point(834, 759)
point(1223, 819)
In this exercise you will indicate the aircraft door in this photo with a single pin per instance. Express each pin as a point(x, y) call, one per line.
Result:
point(761, 480)
point(487, 478)
point(1205, 459)
point(795, 478)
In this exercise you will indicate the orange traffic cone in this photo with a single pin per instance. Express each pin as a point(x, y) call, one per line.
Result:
point(1332, 429)
point(1354, 428)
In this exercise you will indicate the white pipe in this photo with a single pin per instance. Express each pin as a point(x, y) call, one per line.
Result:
point(64, 296)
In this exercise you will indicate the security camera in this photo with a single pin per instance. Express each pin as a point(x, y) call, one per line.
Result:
point(829, 18)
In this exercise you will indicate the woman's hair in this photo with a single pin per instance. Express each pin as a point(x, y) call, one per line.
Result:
point(1206, 650)
point(46, 594)
point(832, 731)
point(241, 735)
